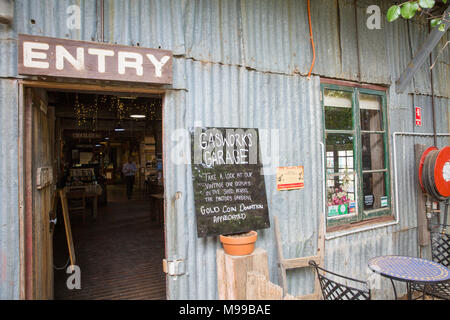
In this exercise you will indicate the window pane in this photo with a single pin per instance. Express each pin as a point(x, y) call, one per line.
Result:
point(338, 110)
point(341, 195)
point(339, 152)
point(338, 142)
point(370, 111)
point(341, 177)
point(338, 118)
point(372, 151)
point(374, 191)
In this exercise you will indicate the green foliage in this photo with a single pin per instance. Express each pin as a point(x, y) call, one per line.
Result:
point(393, 13)
point(408, 10)
point(435, 22)
point(426, 3)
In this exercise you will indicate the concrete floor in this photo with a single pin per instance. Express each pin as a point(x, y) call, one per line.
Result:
point(119, 254)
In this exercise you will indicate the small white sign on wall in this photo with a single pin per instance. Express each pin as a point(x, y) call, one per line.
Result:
point(44, 177)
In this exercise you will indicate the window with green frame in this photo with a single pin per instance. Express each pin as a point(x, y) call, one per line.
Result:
point(357, 163)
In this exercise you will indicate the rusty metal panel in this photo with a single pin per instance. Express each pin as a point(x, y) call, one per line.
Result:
point(51, 18)
point(8, 62)
point(398, 49)
point(372, 47)
point(33, 17)
point(213, 31)
point(9, 189)
point(418, 31)
point(269, 35)
point(242, 69)
point(288, 109)
point(152, 24)
point(327, 39)
point(147, 23)
point(276, 35)
point(349, 40)
point(441, 68)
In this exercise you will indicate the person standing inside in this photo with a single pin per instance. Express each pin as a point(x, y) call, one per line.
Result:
point(129, 170)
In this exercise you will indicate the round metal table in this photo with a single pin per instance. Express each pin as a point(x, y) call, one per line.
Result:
point(409, 270)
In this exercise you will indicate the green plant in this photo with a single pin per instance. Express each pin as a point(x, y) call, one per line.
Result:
point(408, 10)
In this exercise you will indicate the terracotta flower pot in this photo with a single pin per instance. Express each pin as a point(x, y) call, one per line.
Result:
point(239, 245)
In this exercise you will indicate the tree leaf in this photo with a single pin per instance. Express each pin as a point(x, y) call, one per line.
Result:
point(393, 13)
point(442, 27)
point(435, 22)
point(426, 3)
point(444, 1)
point(409, 9)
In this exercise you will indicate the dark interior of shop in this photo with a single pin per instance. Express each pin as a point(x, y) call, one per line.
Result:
point(117, 232)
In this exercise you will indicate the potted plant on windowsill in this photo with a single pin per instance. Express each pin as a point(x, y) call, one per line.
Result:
point(239, 244)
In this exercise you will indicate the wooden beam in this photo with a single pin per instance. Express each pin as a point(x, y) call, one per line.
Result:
point(299, 262)
point(302, 262)
point(260, 288)
point(102, 125)
point(282, 279)
point(90, 87)
point(232, 272)
point(419, 58)
point(353, 84)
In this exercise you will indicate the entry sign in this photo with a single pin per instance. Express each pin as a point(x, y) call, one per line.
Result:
point(55, 57)
point(418, 116)
point(229, 189)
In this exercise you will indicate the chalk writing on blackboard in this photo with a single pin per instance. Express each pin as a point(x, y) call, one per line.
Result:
point(229, 190)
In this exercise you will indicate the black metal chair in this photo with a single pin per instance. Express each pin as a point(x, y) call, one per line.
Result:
point(334, 290)
point(440, 253)
point(440, 245)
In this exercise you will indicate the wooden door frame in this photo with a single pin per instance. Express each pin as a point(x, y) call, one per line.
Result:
point(25, 161)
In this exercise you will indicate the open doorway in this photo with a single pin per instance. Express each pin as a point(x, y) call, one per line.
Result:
point(118, 234)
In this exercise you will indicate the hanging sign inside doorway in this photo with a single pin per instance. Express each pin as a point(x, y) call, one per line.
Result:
point(56, 57)
point(229, 189)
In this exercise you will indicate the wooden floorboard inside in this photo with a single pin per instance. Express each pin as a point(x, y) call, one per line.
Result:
point(119, 254)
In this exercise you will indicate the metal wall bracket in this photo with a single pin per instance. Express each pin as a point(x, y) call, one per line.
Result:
point(174, 268)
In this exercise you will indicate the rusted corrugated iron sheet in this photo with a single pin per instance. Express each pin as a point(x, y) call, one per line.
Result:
point(441, 68)
point(9, 189)
point(269, 35)
point(398, 49)
point(238, 64)
point(372, 46)
point(230, 96)
point(213, 31)
point(276, 36)
point(50, 18)
point(145, 23)
point(418, 31)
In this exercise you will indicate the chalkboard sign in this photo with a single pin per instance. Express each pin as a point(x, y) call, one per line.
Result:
point(229, 189)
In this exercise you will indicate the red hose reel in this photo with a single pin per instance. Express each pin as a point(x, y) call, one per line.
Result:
point(434, 172)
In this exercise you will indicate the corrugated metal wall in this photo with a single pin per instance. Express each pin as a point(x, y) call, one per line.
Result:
point(240, 63)
point(9, 217)
point(265, 35)
point(232, 96)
